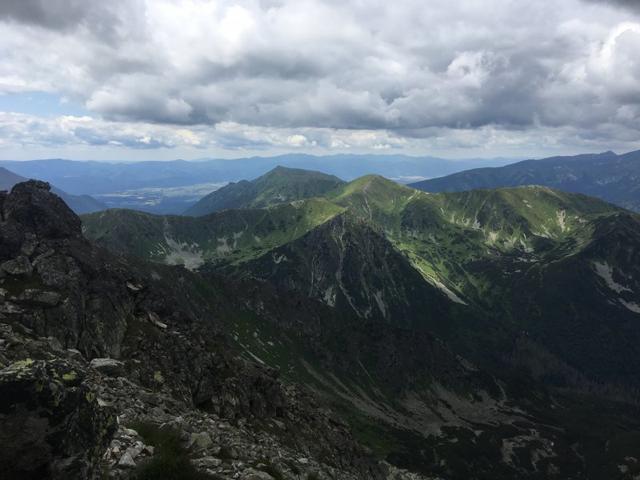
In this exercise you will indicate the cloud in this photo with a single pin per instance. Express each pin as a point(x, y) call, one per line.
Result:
point(629, 4)
point(328, 74)
point(26, 136)
point(64, 15)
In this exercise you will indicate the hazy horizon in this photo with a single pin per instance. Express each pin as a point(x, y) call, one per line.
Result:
point(275, 155)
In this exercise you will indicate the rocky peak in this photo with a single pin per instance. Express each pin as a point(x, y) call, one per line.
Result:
point(33, 208)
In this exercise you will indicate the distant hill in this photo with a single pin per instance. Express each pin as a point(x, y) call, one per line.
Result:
point(9, 179)
point(78, 203)
point(170, 187)
point(276, 186)
point(611, 177)
point(95, 178)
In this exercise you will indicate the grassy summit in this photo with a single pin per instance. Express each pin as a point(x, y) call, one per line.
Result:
point(279, 185)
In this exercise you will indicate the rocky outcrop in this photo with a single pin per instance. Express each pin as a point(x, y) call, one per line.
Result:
point(57, 284)
point(51, 425)
point(87, 336)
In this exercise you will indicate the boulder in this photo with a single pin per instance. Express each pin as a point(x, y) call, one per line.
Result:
point(127, 461)
point(200, 441)
point(51, 426)
point(17, 266)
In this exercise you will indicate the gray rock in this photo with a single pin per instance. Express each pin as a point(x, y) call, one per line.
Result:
point(134, 287)
point(29, 245)
point(251, 474)
point(155, 320)
point(40, 298)
point(130, 432)
point(49, 403)
point(200, 441)
point(135, 450)
point(54, 344)
point(207, 462)
point(108, 366)
point(74, 353)
point(18, 266)
point(126, 461)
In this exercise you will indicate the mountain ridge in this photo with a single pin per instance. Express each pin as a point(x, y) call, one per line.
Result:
point(465, 245)
point(279, 185)
point(612, 177)
point(463, 269)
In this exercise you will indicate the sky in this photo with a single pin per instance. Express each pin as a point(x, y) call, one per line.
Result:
point(159, 79)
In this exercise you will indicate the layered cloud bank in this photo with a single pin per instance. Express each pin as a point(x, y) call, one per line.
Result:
point(473, 77)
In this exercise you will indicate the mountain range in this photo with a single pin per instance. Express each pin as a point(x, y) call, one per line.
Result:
point(614, 178)
point(479, 334)
point(174, 186)
point(78, 203)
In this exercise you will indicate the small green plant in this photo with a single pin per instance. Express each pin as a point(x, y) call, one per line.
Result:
point(170, 461)
point(272, 470)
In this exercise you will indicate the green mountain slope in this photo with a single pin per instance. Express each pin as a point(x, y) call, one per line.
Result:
point(615, 178)
point(226, 236)
point(378, 250)
point(455, 326)
point(279, 185)
point(348, 265)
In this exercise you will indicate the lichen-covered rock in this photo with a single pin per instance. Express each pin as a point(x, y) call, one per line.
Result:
point(50, 423)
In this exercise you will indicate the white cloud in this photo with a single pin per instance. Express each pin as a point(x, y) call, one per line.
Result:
point(311, 74)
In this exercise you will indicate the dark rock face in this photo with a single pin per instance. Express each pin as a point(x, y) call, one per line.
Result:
point(51, 425)
point(31, 205)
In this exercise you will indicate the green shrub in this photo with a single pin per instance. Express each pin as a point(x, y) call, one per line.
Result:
point(170, 460)
point(272, 470)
